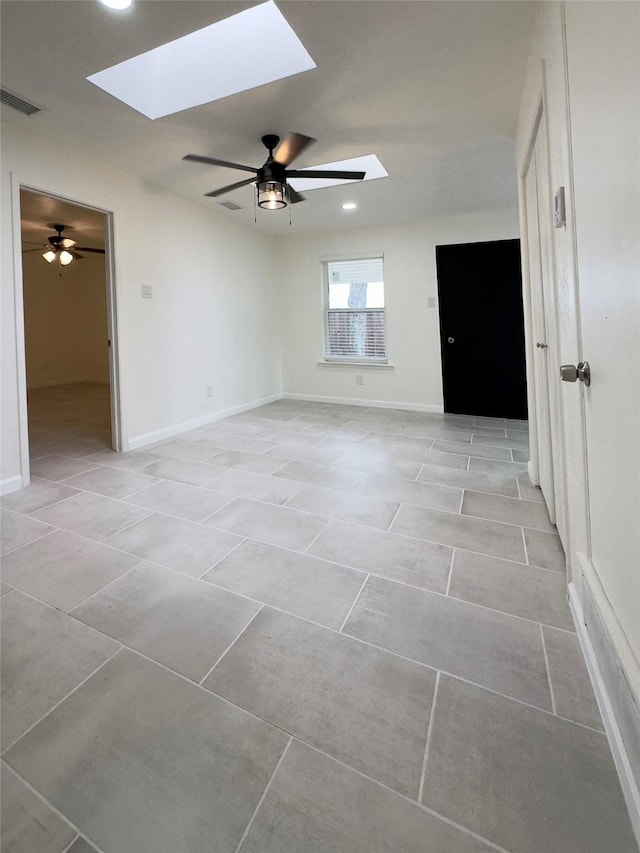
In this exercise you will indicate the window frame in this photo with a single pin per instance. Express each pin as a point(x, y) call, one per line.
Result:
point(381, 361)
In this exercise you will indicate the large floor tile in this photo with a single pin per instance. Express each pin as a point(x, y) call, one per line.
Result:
point(525, 513)
point(306, 586)
point(76, 448)
point(400, 558)
point(421, 494)
point(429, 457)
point(257, 487)
point(181, 545)
point(190, 451)
point(91, 515)
point(64, 569)
point(515, 588)
point(461, 531)
point(364, 706)
point(382, 465)
point(519, 441)
point(37, 495)
point(472, 449)
point(241, 443)
point(132, 460)
point(110, 482)
point(178, 621)
point(522, 778)
point(17, 530)
point(275, 525)
point(28, 824)
point(520, 455)
point(545, 550)
point(334, 503)
point(318, 454)
point(317, 804)
point(497, 466)
point(58, 468)
point(140, 760)
point(348, 479)
point(183, 470)
point(570, 680)
point(452, 635)
point(180, 500)
point(45, 654)
point(467, 480)
point(265, 464)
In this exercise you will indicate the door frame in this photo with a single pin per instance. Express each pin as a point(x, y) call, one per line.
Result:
point(117, 442)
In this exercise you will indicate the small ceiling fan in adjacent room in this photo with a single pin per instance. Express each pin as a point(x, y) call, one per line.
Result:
point(271, 179)
point(62, 248)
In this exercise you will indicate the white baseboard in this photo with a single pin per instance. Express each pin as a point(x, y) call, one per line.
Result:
point(10, 484)
point(369, 404)
point(618, 749)
point(150, 438)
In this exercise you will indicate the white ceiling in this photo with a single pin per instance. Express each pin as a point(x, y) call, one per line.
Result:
point(431, 88)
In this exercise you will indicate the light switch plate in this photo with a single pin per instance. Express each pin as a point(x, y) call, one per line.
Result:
point(431, 302)
point(147, 291)
point(559, 212)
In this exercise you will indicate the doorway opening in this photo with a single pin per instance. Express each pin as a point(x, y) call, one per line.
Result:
point(68, 307)
point(482, 329)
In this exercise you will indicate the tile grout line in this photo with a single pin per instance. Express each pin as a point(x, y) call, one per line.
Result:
point(318, 534)
point(232, 643)
point(243, 539)
point(428, 740)
point(66, 696)
point(264, 794)
point(393, 518)
point(524, 545)
point(450, 575)
point(355, 600)
point(548, 670)
point(53, 808)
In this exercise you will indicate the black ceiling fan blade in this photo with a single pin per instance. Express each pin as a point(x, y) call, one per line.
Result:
point(89, 249)
point(343, 176)
point(75, 255)
point(228, 188)
point(213, 161)
point(294, 197)
point(290, 147)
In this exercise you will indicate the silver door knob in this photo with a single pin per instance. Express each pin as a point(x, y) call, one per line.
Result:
point(451, 340)
point(571, 373)
point(568, 373)
point(542, 346)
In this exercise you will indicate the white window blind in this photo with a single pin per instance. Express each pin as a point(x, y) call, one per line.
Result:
point(355, 327)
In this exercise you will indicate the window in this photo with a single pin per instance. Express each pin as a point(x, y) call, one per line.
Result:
point(355, 328)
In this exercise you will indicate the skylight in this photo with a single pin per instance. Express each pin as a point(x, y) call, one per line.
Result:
point(369, 163)
point(247, 50)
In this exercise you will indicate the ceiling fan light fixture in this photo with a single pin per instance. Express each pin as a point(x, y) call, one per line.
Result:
point(65, 257)
point(272, 195)
point(116, 4)
point(49, 256)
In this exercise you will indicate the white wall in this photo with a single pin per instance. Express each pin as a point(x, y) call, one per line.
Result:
point(65, 320)
point(213, 318)
point(413, 336)
point(583, 63)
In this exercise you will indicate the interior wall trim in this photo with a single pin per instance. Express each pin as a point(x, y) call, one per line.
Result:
point(10, 484)
point(150, 438)
point(378, 404)
point(602, 672)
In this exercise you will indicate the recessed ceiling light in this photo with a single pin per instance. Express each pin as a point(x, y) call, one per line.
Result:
point(349, 205)
point(117, 4)
point(369, 164)
point(250, 49)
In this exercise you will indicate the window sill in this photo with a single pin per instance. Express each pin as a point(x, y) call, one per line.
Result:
point(359, 365)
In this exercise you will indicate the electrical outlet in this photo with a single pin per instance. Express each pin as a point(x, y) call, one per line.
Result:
point(209, 391)
point(359, 379)
point(147, 291)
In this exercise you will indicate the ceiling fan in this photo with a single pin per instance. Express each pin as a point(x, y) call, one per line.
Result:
point(271, 178)
point(62, 247)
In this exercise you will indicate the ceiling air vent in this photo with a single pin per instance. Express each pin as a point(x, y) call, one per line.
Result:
point(10, 99)
point(230, 205)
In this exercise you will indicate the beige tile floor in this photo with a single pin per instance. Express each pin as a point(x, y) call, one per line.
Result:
point(309, 628)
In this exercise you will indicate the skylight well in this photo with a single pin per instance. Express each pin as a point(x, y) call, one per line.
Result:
point(250, 49)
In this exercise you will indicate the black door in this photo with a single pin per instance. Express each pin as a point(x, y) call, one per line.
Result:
point(482, 329)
